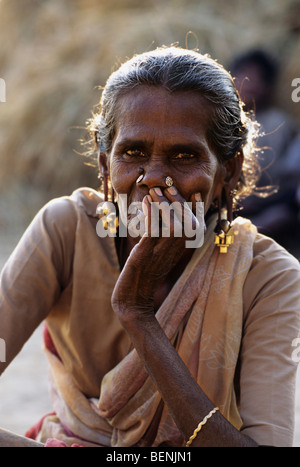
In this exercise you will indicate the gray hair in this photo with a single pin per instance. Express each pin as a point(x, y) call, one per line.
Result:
point(178, 69)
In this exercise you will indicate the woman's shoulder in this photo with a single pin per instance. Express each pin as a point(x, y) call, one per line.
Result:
point(81, 201)
point(58, 220)
point(267, 251)
point(273, 281)
point(62, 215)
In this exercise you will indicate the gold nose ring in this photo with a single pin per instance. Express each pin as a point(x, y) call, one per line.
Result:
point(169, 181)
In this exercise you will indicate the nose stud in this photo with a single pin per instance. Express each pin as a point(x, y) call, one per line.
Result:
point(169, 181)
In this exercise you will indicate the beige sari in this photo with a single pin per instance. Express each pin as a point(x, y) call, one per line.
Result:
point(203, 318)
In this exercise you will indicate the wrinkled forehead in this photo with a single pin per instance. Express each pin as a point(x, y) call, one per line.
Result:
point(154, 117)
point(156, 103)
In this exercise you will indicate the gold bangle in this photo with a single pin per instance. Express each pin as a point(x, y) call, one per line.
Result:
point(201, 425)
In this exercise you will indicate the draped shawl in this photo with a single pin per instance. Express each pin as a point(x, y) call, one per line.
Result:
point(203, 318)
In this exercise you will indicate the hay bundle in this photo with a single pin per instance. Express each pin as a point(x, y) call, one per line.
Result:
point(54, 54)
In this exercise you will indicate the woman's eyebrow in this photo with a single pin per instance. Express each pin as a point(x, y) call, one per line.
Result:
point(129, 142)
point(192, 146)
point(196, 147)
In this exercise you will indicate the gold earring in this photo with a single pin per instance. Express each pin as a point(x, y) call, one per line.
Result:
point(107, 210)
point(224, 233)
point(169, 181)
point(107, 213)
point(233, 193)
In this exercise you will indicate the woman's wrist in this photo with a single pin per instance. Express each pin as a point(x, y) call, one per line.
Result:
point(137, 319)
point(186, 401)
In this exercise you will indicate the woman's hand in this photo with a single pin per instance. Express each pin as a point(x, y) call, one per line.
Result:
point(150, 261)
point(154, 257)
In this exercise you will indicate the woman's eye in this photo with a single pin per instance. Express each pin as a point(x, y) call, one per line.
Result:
point(184, 155)
point(135, 153)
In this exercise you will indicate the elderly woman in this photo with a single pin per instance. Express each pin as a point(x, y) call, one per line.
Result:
point(154, 341)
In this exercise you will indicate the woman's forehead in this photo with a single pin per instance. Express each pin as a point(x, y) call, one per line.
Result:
point(153, 94)
point(155, 106)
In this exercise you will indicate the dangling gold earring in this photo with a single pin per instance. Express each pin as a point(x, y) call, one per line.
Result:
point(109, 218)
point(224, 234)
point(107, 211)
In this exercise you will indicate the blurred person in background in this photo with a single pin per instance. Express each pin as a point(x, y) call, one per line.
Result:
point(292, 168)
point(150, 341)
point(276, 215)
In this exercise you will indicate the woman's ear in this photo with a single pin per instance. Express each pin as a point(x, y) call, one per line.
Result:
point(233, 169)
point(103, 164)
point(233, 173)
point(104, 172)
point(229, 175)
point(230, 172)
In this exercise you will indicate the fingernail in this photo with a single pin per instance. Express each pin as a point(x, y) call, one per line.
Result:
point(158, 191)
point(147, 198)
point(197, 196)
point(172, 190)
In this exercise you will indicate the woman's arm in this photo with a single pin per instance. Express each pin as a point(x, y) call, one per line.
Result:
point(185, 399)
point(268, 363)
point(148, 263)
point(33, 277)
point(9, 439)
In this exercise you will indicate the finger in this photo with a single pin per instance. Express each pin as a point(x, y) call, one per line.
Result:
point(147, 207)
point(169, 195)
point(168, 215)
point(177, 214)
point(193, 211)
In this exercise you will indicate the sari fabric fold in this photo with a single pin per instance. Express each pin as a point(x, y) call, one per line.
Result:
point(203, 318)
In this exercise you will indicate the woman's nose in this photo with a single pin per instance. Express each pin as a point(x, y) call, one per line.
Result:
point(155, 175)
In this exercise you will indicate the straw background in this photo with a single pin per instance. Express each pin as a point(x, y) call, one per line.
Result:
point(53, 56)
point(55, 53)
